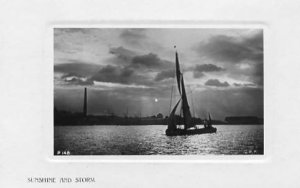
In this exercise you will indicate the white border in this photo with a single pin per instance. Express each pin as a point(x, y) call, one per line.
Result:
point(48, 128)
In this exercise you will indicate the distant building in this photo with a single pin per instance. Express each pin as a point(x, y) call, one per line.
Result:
point(159, 115)
point(85, 103)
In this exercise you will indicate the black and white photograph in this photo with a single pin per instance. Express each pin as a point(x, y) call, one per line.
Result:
point(149, 94)
point(158, 91)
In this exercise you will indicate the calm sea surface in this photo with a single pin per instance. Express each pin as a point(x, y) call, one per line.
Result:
point(151, 140)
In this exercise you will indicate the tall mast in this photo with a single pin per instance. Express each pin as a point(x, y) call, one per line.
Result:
point(85, 103)
point(178, 73)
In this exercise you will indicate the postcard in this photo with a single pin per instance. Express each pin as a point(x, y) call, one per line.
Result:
point(149, 94)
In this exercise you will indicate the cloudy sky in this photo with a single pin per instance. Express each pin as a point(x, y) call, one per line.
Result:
point(134, 69)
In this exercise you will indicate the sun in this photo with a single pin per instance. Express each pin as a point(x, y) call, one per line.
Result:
point(155, 100)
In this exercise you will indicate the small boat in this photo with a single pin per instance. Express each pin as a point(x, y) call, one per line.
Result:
point(179, 132)
point(190, 127)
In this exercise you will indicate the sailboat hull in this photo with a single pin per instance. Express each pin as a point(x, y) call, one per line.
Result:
point(179, 132)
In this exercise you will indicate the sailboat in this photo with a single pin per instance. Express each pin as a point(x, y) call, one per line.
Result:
point(190, 127)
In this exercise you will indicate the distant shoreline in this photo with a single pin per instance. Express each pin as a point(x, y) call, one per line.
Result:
point(61, 125)
point(63, 118)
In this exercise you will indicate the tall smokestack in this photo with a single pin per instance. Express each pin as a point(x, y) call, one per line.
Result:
point(85, 103)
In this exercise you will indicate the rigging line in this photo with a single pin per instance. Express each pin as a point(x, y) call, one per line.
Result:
point(192, 102)
point(174, 80)
point(171, 99)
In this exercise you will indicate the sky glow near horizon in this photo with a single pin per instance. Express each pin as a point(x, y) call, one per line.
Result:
point(131, 68)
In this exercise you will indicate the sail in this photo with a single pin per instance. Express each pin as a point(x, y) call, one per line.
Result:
point(209, 119)
point(187, 117)
point(172, 118)
point(185, 109)
point(178, 73)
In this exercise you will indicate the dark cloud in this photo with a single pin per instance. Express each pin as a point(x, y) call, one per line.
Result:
point(122, 75)
point(208, 68)
point(121, 56)
point(127, 68)
point(150, 61)
point(231, 49)
point(164, 75)
point(130, 68)
point(131, 59)
point(198, 70)
point(77, 68)
point(122, 53)
point(216, 82)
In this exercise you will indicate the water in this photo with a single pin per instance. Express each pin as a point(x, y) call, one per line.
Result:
point(151, 140)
